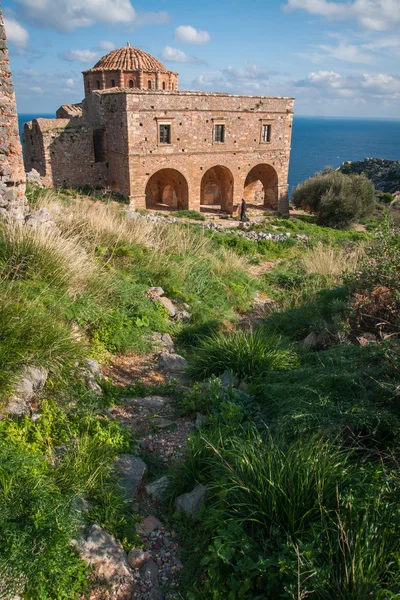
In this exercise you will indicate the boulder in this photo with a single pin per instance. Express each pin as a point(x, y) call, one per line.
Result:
point(92, 367)
point(191, 502)
point(168, 304)
point(164, 341)
point(138, 557)
point(155, 292)
point(30, 382)
point(157, 488)
point(34, 177)
point(148, 525)
point(162, 423)
point(183, 316)
point(149, 402)
point(172, 362)
point(102, 551)
point(130, 470)
point(314, 340)
point(40, 218)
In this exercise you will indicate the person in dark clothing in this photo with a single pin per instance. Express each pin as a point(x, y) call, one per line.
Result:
point(243, 207)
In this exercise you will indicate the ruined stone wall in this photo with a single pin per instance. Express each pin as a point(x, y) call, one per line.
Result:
point(193, 151)
point(62, 151)
point(12, 173)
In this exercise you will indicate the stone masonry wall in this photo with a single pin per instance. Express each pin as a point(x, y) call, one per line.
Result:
point(193, 151)
point(12, 173)
point(62, 151)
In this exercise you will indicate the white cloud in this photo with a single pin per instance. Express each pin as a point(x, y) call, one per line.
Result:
point(70, 82)
point(248, 80)
point(67, 15)
point(374, 85)
point(174, 55)
point(16, 34)
point(36, 89)
point(82, 56)
point(377, 15)
point(107, 46)
point(347, 53)
point(186, 34)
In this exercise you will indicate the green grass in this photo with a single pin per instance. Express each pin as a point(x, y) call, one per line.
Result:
point(248, 354)
point(188, 214)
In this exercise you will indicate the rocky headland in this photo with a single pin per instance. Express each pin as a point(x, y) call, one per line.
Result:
point(384, 173)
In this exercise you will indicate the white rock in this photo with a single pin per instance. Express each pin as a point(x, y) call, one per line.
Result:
point(190, 503)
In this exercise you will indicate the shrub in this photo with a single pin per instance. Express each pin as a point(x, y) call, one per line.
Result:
point(189, 214)
point(336, 198)
point(248, 354)
point(292, 519)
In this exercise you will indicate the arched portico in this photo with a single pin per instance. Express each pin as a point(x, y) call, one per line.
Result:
point(217, 188)
point(167, 188)
point(261, 186)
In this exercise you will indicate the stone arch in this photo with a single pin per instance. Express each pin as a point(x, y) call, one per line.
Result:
point(217, 188)
point(261, 186)
point(131, 83)
point(167, 188)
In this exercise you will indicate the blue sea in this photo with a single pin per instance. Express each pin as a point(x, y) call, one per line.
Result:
point(321, 141)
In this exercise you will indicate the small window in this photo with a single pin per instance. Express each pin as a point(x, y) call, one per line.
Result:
point(98, 84)
point(163, 85)
point(99, 145)
point(219, 133)
point(112, 83)
point(131, 84)
point(266, 133)
point(165, 134)
point(149, 84)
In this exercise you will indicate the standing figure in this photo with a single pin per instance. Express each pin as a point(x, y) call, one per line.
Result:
point(243, 207)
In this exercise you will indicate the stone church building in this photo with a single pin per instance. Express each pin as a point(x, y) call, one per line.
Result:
point(136, 133)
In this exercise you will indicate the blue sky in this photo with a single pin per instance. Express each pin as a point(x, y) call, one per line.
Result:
point(337, 58)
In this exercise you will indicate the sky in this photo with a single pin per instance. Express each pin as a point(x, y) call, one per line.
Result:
point(337, 58)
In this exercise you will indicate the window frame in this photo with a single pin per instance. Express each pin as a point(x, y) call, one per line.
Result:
point(266, 123)
point(218, 124)
point(164, 123)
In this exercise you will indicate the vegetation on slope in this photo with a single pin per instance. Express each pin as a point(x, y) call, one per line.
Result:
point(301, 461)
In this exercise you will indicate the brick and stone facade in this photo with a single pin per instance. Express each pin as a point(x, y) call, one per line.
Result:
point(12, 173)
point(164, 147)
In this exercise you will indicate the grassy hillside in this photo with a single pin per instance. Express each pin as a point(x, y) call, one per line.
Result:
point(301, 459)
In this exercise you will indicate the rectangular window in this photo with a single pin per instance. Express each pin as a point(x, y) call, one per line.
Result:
point(266, 133)
point(165, 134)
point(219, 133)
point(99, 145)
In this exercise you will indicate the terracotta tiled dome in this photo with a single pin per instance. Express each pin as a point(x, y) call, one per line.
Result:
point(129, 59)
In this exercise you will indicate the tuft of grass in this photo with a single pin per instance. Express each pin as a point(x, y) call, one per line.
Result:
point(248, 354)
point(329, 261)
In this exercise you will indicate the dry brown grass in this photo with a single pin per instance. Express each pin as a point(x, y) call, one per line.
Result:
point(330, 261)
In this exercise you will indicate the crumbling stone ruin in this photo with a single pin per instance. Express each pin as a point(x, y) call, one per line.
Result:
point(12, 173)
point(137, 134)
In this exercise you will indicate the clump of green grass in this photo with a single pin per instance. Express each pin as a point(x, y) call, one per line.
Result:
point(248, 354)
point(189, 214)
point(293, 518)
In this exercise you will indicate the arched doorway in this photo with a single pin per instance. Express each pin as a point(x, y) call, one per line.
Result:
point(167, 188)
point(261, 186)
point(217, 188)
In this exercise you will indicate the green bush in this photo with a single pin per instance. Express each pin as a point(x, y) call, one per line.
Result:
point(336, 198)
point(248, 354)
point(292, 519)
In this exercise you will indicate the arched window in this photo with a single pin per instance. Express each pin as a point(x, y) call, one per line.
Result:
point(149, 84)
point(112, 83)
point(163, 85)
point(98, 84)
point(131, 83)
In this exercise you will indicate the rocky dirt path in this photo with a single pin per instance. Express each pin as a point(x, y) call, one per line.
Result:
point(150, 571)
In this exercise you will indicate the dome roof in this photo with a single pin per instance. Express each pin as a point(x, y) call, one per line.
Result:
point(129, 59)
